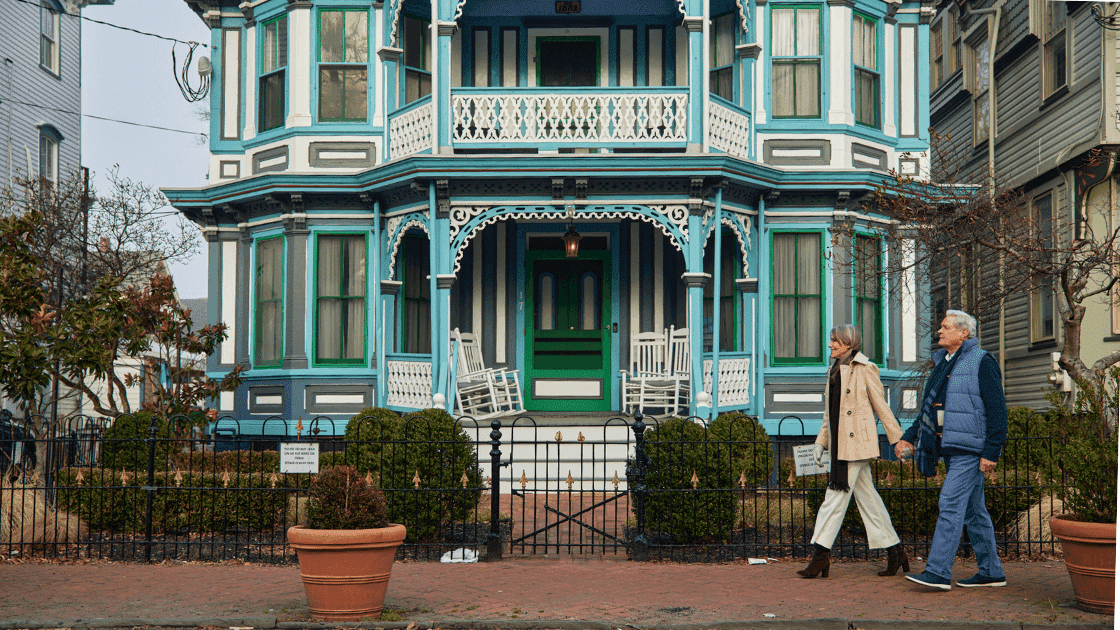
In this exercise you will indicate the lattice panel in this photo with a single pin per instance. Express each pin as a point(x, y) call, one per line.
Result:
point(409, 384)
point(411, 132)
point(729, 131)
point(734, 381)
point(569, 118)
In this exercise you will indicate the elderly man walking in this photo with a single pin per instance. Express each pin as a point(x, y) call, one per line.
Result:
point(964, 396)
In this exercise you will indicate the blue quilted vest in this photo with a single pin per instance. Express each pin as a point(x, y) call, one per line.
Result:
point(966, 425)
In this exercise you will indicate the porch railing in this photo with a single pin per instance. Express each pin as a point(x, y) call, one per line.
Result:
point(734, 381)
point(411, 128)
point(408, 380)
point(729, 128)
point(569, 116)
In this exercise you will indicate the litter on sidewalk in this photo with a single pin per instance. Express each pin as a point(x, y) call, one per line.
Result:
point(460, 555)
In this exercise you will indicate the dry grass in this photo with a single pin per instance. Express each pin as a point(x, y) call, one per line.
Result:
point(27, 518)
point(1034, 525)
point(759, 509)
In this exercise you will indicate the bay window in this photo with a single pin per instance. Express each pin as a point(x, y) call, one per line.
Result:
point(866, 79)
point(798, 297)
point(869, 295)
point(268, 345)
point(796, 62)
point(340, 301)
point(343, 59)
point(274, 63)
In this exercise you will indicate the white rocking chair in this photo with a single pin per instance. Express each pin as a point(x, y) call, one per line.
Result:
point(647, 358)
point(483, 392)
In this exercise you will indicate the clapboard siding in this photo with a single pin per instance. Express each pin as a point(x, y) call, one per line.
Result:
point(25, 81)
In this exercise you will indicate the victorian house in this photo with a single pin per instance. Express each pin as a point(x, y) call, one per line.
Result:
point(554, 178)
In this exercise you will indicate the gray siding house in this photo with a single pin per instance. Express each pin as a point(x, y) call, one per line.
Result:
point(1057, 104)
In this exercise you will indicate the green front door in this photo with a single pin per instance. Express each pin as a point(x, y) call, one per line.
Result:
point(568, 332)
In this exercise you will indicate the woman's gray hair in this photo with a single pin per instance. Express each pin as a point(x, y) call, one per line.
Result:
point(963, 321)
point(848, 335)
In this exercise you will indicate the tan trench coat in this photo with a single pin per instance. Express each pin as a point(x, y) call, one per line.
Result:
point(861, 399)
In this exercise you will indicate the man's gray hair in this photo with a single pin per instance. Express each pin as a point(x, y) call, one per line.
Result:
point(848, 335)
point(963, 321)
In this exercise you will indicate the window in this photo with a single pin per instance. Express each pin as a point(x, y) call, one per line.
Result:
point(417, 302)
point(955, 46)
point(269, 311)
point(343, 55)
point(869, 295)
point(417, 65)
point(1055, 48)
point(797, 285)
point(936, 56)
point(48, 38)
point(627, 60)
point(721, 56)
point(729, 271)
point(340, 304)
point(49, 139)
point(979, 88)
point(655, 56)
point(481, 66)
point(1042, 285)
point(865, 59)
point(274, 61)
point(796, 64)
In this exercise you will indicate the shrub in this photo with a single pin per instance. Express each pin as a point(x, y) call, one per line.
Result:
point(126, 446)
point(1033, 442)
point(428, 446)
point(341, 499)
point(243, 461)
point(1089, 457)
point(694, 474)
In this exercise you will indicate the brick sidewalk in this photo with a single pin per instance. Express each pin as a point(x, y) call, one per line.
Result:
point(590, 590)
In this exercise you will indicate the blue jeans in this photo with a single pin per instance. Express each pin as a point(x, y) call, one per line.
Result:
point(962, 505)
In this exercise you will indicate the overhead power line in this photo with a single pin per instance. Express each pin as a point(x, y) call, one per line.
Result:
point(116, 120)
point(123, 28)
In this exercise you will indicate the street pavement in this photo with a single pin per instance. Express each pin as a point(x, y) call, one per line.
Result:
point(563, 593)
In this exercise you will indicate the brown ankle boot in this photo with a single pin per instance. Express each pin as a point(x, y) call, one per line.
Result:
point(896, 559)
point(819, 563)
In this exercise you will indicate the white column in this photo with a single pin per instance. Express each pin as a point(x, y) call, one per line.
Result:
point(250, 130)
point(500, 297)
point(839, 60)
point(889, 93)
point(299, 66)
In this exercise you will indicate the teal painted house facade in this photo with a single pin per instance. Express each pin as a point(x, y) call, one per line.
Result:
point(383, 173)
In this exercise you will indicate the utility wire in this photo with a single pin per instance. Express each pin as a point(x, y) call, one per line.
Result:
point(123, 28)
point(116, 120)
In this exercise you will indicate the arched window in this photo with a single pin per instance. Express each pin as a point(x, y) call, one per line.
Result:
point(546, 302)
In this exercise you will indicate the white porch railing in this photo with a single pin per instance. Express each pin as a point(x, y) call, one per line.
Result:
point(734, 381)
point(409, 382)
point(570, 116)
point(729, 129)
point(410, 130)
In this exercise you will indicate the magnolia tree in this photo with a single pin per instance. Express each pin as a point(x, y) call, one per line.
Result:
point(81, 288)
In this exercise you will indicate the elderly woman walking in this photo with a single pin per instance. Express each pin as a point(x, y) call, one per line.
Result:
point(854, 396)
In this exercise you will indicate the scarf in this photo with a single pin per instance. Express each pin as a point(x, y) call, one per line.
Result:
point(838, 474)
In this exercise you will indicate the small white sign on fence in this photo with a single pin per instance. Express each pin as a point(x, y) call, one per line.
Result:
point(299, 457)
point(806, 465)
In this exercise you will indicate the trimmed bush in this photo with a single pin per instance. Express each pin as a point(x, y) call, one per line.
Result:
point(694, 474)
point(243, 461)
point(341, 499)
point(126, 446)
point(368, 434)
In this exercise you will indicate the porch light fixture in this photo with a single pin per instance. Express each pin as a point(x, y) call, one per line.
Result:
point(571, 240)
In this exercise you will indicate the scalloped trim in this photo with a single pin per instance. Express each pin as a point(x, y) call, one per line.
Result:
point(742, 14)
point(742, 234)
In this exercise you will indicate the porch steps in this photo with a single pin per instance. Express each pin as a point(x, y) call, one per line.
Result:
point(544, 449)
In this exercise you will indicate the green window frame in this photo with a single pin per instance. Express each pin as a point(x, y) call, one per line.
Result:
point(416, 295)
point(865, 69)
point(340, 298)
point(721, 55)
point(272, 86)
point(795, 60)
point(417, 66)
point(797, 304)
point(268, 302)
point(343, 59)
point(730, 271)
point(868, 264)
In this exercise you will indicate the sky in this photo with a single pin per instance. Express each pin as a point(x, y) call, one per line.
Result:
point(128, 76)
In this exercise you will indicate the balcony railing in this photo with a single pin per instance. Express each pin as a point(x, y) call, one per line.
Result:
point(411, 128)
point(575, 117)
point(729, 128)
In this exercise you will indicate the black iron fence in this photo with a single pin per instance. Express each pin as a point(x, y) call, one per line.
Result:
point(144, 489)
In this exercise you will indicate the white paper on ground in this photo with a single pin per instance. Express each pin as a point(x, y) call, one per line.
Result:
point(756, 561)
point(460, 555)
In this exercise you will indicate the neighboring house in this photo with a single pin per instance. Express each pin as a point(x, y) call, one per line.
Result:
point(40, 94)
point(383, 173)
point(1057, 100)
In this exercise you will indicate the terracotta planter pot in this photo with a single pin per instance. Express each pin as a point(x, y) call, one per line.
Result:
point(1090, 553)
point(345, 571)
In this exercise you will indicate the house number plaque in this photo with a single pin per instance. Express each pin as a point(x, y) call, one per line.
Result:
point(567, 6)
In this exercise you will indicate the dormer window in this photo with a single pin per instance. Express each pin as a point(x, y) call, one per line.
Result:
point(343, 55)
point(796, 61)
point(274, 63)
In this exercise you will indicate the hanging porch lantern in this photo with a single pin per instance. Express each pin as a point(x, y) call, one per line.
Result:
point(571, 240)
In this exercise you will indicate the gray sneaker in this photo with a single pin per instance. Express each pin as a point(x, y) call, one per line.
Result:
point(982, 580)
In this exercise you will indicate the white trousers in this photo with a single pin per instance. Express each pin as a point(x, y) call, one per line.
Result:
point(880, 531)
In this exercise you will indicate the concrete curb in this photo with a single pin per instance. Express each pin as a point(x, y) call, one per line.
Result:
point(269, 623)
